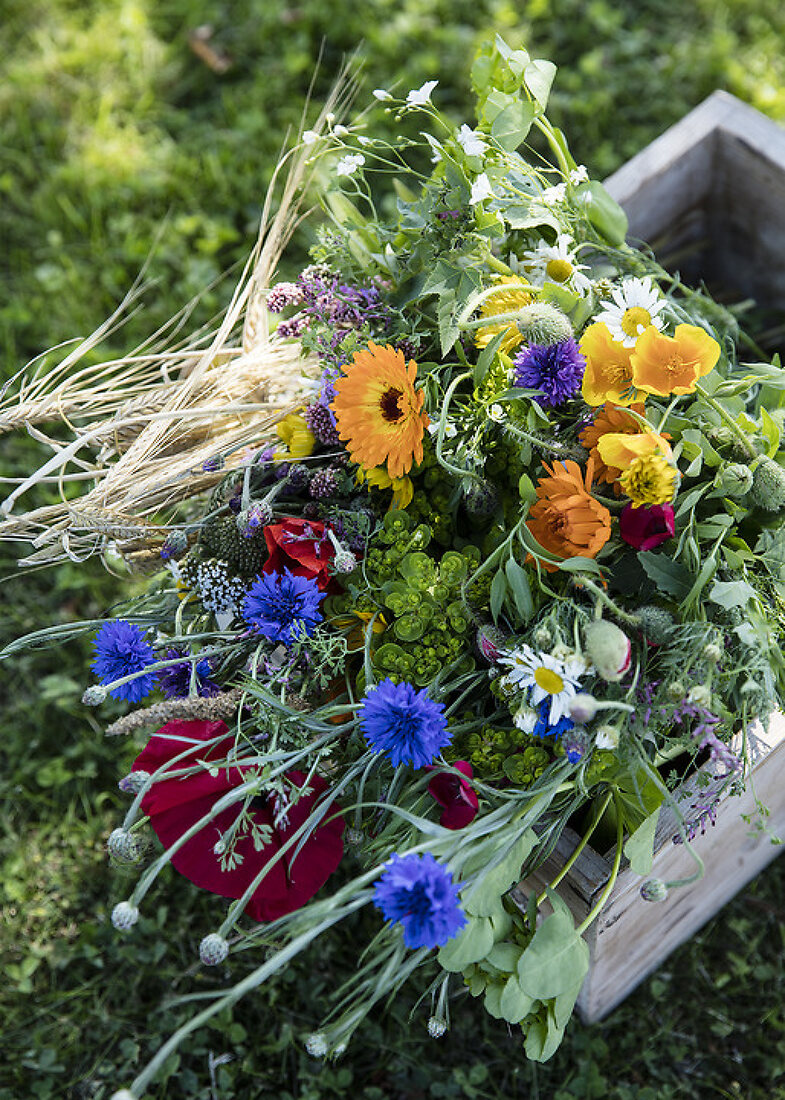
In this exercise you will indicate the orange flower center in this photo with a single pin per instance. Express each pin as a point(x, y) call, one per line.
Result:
point(617, 375)
point(675, 363)
point(390, 404)
point(558, 270)
point(633, 319)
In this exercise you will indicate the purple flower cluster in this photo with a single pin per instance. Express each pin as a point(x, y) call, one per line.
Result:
point(555, 370)
point(704, 809)
point(176, 679)
point(322, 298)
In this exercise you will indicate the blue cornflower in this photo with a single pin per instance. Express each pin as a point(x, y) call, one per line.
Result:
point(556, 370)
point(176, 680)
point(419, 893)
point(120, 650)
point(278, 605)
point(405, 723)
point(543, 728)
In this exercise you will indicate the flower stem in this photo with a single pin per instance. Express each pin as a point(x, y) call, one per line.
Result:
point(728, 420)
point(595, 911)
point(581, 845)
point(631, 620)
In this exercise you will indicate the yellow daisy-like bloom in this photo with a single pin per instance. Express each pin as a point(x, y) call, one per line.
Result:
point(378, 412)
point(649, 480)
point(503, 301)
point(296, 436)
point(402, 487)
point(620, 450)
point(608, 374)
point(672, 364)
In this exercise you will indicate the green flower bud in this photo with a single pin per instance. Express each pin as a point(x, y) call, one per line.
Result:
point(768, 485)
point(656, 623)
point(541, 323)
point(213, 949)
point(654, 889)
point(124, 847)
point(436, 1027)
point(609, 649)
point(94, 695)
point(734, 480)
point(124, 916)
point(480, 499)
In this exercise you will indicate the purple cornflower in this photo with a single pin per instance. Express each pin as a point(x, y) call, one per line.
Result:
point(556, 370)
point(121, 650)
point(406, 724)
point(279, 605)
point(418, 893)
point(176, 679)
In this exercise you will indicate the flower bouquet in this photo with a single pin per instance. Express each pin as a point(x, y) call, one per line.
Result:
point(471, 531)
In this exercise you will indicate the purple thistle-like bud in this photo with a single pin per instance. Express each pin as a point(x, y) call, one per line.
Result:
point(321, 422)
point(258, 515)
point(175, 544)
point(298, 478)
point(324, 483)
point(213, 949)
point(294, 326)
point(133, 782)
point(282, 295)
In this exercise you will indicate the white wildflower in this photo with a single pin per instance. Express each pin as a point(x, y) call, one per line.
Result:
point(481, 189)
point(309, 137)
point(381, 94)
point(349, 164)
point(471, 142)
point(635, 305)
point(418, 97)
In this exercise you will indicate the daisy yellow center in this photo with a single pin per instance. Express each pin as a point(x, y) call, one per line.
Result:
point(548, 680)
point(635, 318)
point(389, 404)
point(559, 270)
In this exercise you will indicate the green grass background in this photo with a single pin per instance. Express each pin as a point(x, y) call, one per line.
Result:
point(113, 134)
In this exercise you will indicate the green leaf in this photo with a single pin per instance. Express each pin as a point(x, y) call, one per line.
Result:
point(543, 1036)
point(492, 879)
point(730, 594)
point(771, 432)
point(603, 212)
point(563, 1004)
point(514, 1004)
point(580, 565)
point(639, 848)
point(670, 576)
point(486, 357)
point(521, 589)
point(511, 125)
point(556, 960)
point(538, 76)
point(498, 592)
point(469, 946)
point(505, 956)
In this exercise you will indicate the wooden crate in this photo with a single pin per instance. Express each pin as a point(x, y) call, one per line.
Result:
point(631, 937)
point(709, 197)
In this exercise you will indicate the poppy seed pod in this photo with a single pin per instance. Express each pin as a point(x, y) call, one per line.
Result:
point(609, 649)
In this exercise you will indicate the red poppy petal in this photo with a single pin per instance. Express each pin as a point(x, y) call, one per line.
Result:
point(458, 815)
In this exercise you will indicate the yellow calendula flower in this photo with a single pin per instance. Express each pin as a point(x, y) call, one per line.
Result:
point(620, 449)
point(296, 436)
point(648, 481)
point(402, 487)
point(503, 301)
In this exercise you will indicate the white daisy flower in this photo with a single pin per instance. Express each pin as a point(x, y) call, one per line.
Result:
point(481, 189)
point(546, 676)
point(635, 305)
point(556, 264)
point(349, 164)
point(470, 140)
point(418, 97)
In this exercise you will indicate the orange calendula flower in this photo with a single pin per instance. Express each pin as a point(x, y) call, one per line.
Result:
point(379, 413)
point(566, 520)
point(503, 301)
point(608, 375)
point(672, 364)
point(610, 418)
point(620, 450)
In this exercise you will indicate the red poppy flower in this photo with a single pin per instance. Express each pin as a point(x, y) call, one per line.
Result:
point(645, 528)
point(175, 804)
point(455, 794)
point(302, 547)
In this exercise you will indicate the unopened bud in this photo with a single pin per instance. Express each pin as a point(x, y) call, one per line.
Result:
point(712, 652)
point(654, 889)
point(606, 737)
point(609, 649)
point(734, 480)
point(124, 847)
point(123, 1094)
point(94, 695)
point(700, 695)
point(437, 1027)
point(768, 485)
point(344, 561)
point(175, 545)
point(213, 949)
point(480, 499)
point(133, 782)
point(583, 707)
point(316, 1045)
point(124, 916)
point(541, 323)
point(655, 623)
